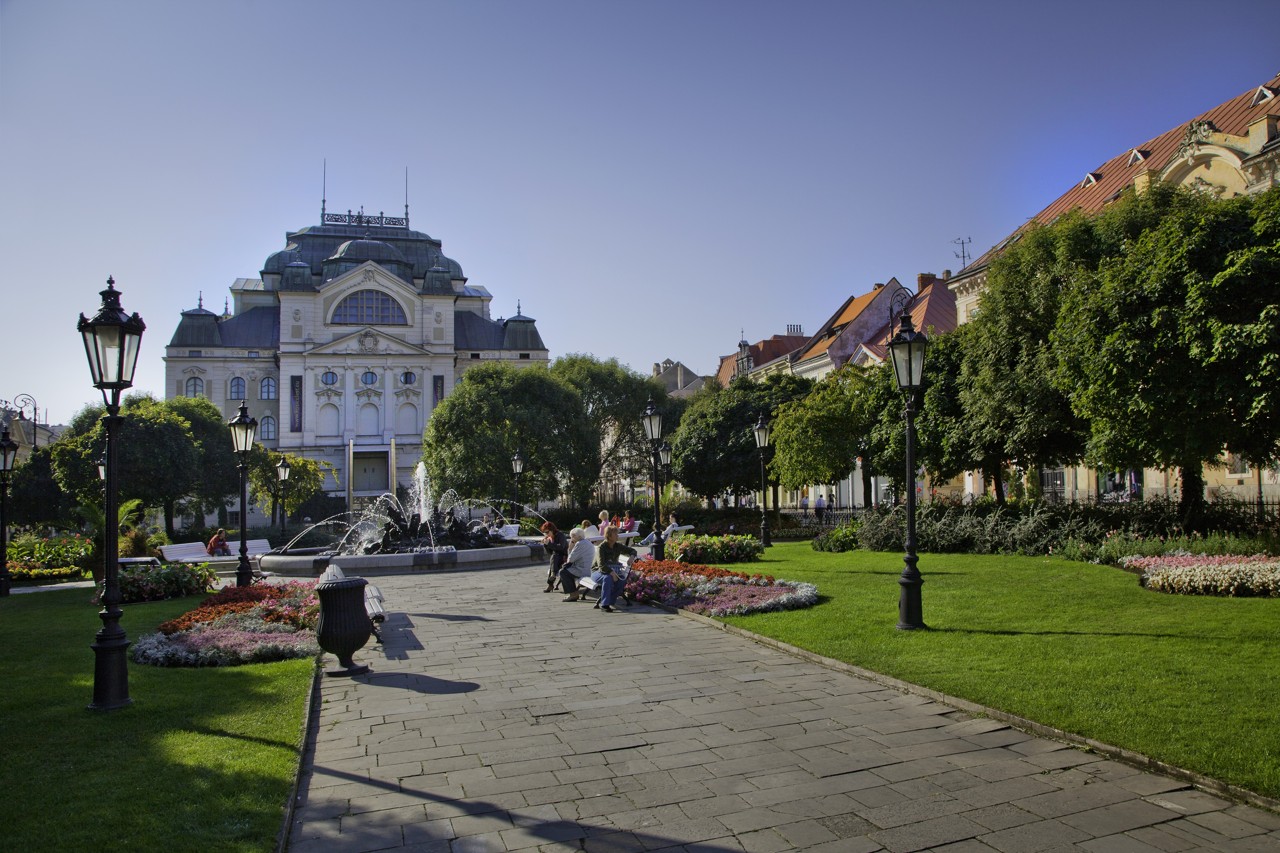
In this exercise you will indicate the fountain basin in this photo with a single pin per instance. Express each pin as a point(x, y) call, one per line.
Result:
point(313, 565)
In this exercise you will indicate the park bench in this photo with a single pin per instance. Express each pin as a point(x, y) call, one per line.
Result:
point(587, 584)
point(195, 552)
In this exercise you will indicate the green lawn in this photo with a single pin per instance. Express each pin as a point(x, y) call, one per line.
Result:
point(204, 759)
point(1189, 680)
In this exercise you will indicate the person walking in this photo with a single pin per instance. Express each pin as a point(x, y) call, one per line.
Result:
point(820, 507)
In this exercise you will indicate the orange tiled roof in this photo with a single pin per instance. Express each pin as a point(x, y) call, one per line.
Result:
point(1109, 179)
point(849, 312)
point(933, 310)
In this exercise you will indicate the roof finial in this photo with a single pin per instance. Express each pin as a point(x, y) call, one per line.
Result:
point(200, 300)
point(406, 196)
point(324, 184)
point(518, 311)
point(226, 307)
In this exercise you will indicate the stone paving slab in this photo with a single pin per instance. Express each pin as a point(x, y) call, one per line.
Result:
point(499, 718)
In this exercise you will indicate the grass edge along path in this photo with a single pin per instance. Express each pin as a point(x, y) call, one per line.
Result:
point(203, 759)
point(1186, 681)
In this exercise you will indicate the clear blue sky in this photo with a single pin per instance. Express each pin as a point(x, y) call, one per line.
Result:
point(648, 179)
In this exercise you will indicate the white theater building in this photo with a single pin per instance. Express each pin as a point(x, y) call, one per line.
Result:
point(345, 343)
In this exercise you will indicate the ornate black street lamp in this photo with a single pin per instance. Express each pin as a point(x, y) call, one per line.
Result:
point(243, 429)
point(907, 352)
point(111, 341)
point(22, 401)
point(761, 432)
point(517, 468)
point(652, 421)
point(282, 472)
point(8, 455)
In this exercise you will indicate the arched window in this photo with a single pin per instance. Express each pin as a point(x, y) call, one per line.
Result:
point(237, 389)
point(367, 420)
point(407, 419)
point(267, 428)
point(369, 307)
point(327, 420)
point(267, 389)
point(195, 387)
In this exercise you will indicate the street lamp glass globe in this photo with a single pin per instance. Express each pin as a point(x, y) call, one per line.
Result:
point(664, 453)
point(652, 420)
point(761, 431)
point(111, 341)
point(517, 463)
point(243, 430)
point(282, 469)
point(907, 351)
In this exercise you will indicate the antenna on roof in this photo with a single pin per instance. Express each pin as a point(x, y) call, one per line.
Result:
point(324, 185)
point(963, 254)
point(406, 196)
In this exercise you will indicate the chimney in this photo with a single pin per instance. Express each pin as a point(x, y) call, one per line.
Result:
point(795, 329)
point(946, 274)
point(879, 285)
point(679, 375)
point(656, 369)
point(924, 279)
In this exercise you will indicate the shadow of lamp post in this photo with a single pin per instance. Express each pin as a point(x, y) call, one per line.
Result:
point(761, 432)
point(8, 454)
point(282, 473)
point(111, 342)
point(243, 429)
point(907, 352)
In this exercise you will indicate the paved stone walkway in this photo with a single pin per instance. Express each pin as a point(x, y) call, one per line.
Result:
point(500, 718)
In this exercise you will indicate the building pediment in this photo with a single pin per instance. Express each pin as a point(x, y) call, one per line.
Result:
point(368, 275)
point(367, 341)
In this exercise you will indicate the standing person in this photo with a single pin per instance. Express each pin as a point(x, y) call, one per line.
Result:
point(820, 507)
point(608, 568)
point(557, 546)
point(804, 505)
point(582, 555)
point(218, 546)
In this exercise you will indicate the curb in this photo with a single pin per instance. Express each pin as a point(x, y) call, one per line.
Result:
point(310, 708)
point(1126, 756)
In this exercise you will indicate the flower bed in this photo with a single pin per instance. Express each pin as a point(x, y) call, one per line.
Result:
point(1200, 574)
point(712, 591)
point(238, 625)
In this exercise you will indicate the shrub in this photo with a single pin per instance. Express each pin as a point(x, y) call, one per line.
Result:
point(156, 583)
point(842, 538)
point(716, 549)
point(54, 552)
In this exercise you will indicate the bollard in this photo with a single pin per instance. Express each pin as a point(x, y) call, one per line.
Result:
point(344, 625)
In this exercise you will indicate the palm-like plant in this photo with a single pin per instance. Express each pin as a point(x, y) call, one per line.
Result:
point(128, 514)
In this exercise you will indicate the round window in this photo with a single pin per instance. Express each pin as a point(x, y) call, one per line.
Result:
point(369, 378)
point(328, 377)
point(408, 377)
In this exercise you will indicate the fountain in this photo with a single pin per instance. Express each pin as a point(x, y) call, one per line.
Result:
point(383, 538)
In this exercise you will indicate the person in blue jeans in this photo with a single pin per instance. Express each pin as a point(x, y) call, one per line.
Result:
point(608, 566)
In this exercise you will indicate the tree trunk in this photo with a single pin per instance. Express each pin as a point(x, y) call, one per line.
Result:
point(866, 487)
point(1191, 501)
point(997, 483)
point(168, 519)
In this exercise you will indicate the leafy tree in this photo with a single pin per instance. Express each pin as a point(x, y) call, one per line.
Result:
point(306, 479)
point(614, 397)
point(1139, 342)
point(816, 438)
point(218, 473)
point(496, 410)
point(713, 449)
point(1012, 407)
point(34, 494)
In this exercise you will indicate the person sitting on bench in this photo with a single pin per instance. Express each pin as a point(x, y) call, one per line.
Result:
point(218, 546)
point(666, 534)
point(608, 568)
point(582, 554)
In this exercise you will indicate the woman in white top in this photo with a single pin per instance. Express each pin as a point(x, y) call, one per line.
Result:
point(651, 539)
point(582, 555)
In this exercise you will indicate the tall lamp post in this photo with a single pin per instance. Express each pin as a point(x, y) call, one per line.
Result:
point(517, 468)
point(8, 454)
point(652, 420)
point(282, 472)
point(907, 352)
point(243, 429)
point(111, 341)
point(761, 432)
point(22, 401)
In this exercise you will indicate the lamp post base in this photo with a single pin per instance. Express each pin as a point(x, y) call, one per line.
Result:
point(765, 539)
point(110, 673)
point(910, 604)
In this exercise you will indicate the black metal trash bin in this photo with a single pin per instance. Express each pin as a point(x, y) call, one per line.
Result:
point(344, 625)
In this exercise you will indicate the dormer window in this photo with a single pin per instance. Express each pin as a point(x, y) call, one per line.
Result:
point(369, 308)
point(1089, 180)
point(1261, 96)
point(1136, 156)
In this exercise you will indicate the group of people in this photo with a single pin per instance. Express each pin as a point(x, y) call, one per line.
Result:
point(574, 556)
